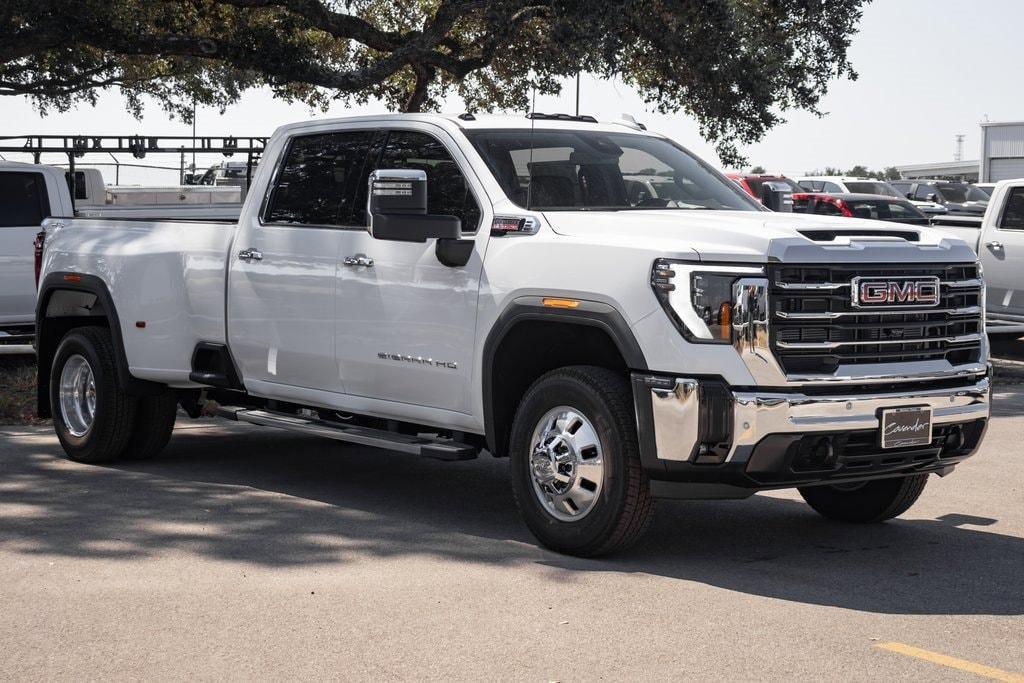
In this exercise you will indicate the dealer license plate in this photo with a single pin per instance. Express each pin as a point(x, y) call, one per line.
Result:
point(903, 427)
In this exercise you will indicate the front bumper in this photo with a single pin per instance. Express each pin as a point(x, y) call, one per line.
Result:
point(721, 442)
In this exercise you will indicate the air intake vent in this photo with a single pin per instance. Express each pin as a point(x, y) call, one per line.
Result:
point(830, 235)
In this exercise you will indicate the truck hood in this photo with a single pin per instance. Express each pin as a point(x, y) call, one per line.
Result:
point(759, 236)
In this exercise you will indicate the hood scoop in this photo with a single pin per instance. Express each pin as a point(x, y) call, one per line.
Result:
point(825, 235)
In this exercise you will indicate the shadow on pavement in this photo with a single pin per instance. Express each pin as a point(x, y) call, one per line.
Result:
point(275, 499)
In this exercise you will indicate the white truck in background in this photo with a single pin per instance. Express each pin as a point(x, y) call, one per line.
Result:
point(998, 239)
point(443, 285)
point(30, 193)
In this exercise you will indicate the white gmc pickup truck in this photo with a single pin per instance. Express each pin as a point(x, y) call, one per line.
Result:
point(998, 238)
point(446, 285)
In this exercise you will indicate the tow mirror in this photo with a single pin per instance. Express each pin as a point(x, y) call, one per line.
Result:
point(777, 196)
point(397, 208)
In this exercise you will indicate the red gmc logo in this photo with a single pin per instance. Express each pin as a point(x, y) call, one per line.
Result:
point(908, 291)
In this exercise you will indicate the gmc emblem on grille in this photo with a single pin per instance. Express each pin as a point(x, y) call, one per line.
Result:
point(908, 291)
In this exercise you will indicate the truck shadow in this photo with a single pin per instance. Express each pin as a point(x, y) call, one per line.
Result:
point(266, 497)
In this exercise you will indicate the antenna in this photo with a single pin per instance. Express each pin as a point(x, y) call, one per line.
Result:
point(958, 155)
point(577, 93)
point(529, 170)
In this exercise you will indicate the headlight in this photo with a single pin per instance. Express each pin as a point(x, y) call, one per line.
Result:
point(699, 298)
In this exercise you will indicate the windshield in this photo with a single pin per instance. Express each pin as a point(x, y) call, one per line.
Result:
point(960, 193)
point(872, 187)
point(987, 189)
point(576, 170)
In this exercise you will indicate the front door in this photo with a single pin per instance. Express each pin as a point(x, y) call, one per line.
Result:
point(1002, 255)
point(284, 267)
point(406, 324)
point(24, 204)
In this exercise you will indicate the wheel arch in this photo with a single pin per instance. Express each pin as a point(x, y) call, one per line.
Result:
point(69, 300)
point(593, 333)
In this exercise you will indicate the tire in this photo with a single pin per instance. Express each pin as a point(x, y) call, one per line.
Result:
point(614, 511)
point(874, 501)
point(99, 433)
point(154, 422)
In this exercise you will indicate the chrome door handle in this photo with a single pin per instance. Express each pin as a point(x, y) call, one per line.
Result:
point(250, 255)
point(994, 245)
point(359, 260)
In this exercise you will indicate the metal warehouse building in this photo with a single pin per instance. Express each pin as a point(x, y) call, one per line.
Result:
point(1002, 151)
point(1002, 157)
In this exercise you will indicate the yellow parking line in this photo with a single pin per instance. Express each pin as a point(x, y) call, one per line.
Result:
point(953, 662)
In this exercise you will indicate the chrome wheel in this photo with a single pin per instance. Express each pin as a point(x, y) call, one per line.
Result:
point(566, 464)
point(77, 395)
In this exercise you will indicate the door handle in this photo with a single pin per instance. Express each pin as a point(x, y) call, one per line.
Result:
point(250, 255)
point(994, 245)
point(359, 260)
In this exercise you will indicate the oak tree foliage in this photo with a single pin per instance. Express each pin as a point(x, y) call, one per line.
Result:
point(734, 65)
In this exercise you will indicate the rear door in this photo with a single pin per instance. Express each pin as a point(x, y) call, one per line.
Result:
point(24, 203)
point(283, 271)
point(406, 324)
point(1002, 254)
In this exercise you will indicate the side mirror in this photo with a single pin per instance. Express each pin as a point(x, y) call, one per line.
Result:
point(777, 196)
point(932, 197)
point(397, 208)
point(908, 195)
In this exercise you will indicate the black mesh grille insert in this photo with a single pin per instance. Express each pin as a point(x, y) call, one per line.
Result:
point(815, 328)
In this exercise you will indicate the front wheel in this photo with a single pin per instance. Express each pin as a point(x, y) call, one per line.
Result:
point(866, 502)
point(92, 414)
point(575, 462)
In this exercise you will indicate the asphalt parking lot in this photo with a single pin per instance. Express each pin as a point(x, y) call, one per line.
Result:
point(247, 553)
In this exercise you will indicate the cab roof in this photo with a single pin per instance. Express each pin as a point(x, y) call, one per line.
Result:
point(471, 122)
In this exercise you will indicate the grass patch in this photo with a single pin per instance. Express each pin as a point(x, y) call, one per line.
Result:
point(18, 391)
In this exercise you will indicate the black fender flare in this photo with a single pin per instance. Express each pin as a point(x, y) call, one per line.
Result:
point(47, 346)
point(590, 313)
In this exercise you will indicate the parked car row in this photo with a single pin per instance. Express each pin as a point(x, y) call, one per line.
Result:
point(932, 197)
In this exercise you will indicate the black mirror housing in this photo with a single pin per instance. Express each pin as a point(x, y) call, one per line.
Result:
point(397, 208)
point(777, 196)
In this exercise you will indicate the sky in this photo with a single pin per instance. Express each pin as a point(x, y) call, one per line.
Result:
point(928, 69)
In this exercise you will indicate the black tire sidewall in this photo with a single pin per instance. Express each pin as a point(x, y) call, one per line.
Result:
point(551, 392)
point(101, 442)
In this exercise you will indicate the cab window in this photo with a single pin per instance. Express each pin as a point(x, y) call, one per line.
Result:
point(448, 192)
point(24, 198)
point(1013, 214)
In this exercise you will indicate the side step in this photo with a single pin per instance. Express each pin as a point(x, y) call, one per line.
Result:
point(439, 449)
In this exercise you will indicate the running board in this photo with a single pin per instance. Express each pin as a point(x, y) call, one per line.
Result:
point(439, 449)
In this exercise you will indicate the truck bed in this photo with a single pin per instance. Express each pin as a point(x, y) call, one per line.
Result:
point(166, 278)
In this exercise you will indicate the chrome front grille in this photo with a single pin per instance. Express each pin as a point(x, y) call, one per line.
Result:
point(815, 328)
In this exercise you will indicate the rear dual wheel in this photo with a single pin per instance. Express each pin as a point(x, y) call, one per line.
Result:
point(94, 418)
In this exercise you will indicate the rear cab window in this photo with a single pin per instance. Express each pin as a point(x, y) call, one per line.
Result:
point(318, 179)
point(23, 198)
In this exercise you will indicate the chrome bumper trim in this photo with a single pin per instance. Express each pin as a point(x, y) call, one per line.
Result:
point(676, 419)
point(966, 310)
point(814, 346)
point(758, 414)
